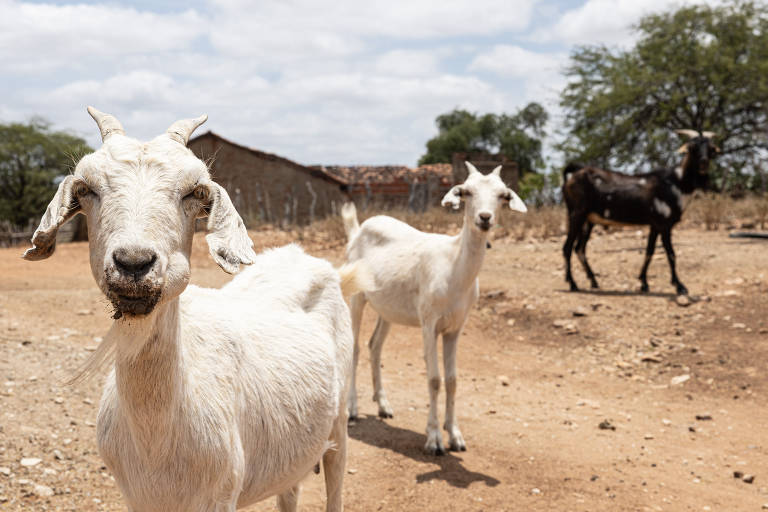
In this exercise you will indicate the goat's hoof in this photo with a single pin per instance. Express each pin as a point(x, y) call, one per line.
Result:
point(352, 419)
point(437, 451)
point(682, 290)
point(595, 286)
point(574, 288)
point(457, 446)
point(385, 414)
point(644, 288)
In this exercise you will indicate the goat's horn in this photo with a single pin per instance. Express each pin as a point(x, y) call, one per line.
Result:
point(688, 133)
point(181, 130)
point(497, 171)
point(472, 168)
point(108, 124)
point(709, 135)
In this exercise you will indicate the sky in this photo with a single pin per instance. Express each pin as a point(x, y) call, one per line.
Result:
point(336, 83)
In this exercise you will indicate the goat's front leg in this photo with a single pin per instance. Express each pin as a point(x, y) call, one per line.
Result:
point(375, 346)
point(434, 444)
point(456, 440)
point(666, 239)
point(652, 236)
point(289, 500)
point(356, 306)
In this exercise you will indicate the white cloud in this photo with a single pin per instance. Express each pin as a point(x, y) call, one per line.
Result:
point(35, 38)
point(515, 61)
point(605, 21)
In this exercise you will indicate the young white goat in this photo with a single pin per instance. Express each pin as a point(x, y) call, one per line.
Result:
point(218, 398)
point(426, 280)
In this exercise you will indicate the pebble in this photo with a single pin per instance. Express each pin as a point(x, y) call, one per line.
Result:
point(704, 417)
point(748, 478)
point(679, 379)
point(606, 425)
point(85, 312)
point(5, 471)
point(535, 490)
point(683, 301)
point(30, 461)
point(648, 436)
point(503, 380)
point(580, 311)
point(43, 491)
point(351, 471)
point(58, 400)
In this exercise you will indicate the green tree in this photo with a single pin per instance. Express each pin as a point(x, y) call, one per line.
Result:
point(517, 136)
point(698, 67)
point(32, 157)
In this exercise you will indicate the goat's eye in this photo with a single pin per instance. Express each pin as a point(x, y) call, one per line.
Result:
point(505, 196)
point(464, 193)
point(200, 193)
point(80, 189)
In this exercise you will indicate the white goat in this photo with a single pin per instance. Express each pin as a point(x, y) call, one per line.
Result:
point(427, 280)
point(218, 398)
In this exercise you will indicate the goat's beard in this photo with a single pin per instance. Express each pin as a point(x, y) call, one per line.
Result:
point(135, 299)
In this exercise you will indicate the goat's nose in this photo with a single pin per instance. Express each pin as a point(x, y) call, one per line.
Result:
point(484, 216)
point(134, 262)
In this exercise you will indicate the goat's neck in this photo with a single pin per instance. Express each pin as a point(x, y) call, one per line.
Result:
point(687, 177)
point(469, 257)
point(148, 370)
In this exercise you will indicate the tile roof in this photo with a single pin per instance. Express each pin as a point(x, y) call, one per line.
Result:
point(387, 173)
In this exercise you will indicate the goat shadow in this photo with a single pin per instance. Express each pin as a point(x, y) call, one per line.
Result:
point(624, 293)
point(375, 432)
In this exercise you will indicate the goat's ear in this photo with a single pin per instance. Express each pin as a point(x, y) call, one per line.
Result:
point(515, 202)
point(452, 198)
point(62, 207)
point(683, 149)
point(228, 240)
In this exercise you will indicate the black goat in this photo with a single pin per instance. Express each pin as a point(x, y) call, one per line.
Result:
point(596, 196)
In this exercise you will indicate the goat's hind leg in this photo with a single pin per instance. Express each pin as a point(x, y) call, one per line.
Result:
point(289, 500)
point(334, 463)
point(356, 306)
point(581, 252)
point(375, 345)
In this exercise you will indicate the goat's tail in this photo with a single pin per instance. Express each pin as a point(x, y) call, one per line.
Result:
point(355, 278)
point(571, 167)
point(349, 216)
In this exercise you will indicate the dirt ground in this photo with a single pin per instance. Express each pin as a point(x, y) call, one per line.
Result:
point(681, 392)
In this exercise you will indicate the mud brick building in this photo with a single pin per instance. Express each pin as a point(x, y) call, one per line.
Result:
point(269, 188)
point(389, 187)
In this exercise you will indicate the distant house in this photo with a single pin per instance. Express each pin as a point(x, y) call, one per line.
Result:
point(269, 188)
point(393, 186)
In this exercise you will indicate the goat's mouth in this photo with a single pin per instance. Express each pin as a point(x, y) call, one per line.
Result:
point(137, 302)
point(483, 225)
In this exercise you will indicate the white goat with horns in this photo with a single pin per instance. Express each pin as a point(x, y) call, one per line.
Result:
point(218, 398)
point(425, 280)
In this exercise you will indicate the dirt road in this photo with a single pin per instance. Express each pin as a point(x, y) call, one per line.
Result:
point(539, 370)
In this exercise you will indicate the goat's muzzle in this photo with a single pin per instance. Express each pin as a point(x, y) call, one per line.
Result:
point(484, 221)
point(132, 281)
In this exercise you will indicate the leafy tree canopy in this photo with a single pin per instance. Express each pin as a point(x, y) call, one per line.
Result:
point(517, 136)
point(698, 67)
point(32, 157)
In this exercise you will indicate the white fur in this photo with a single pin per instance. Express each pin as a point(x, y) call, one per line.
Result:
point(424, 280)
point(217, 398)
point(662, 207)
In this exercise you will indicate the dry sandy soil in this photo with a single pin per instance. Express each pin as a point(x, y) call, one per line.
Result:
point(535, 383)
